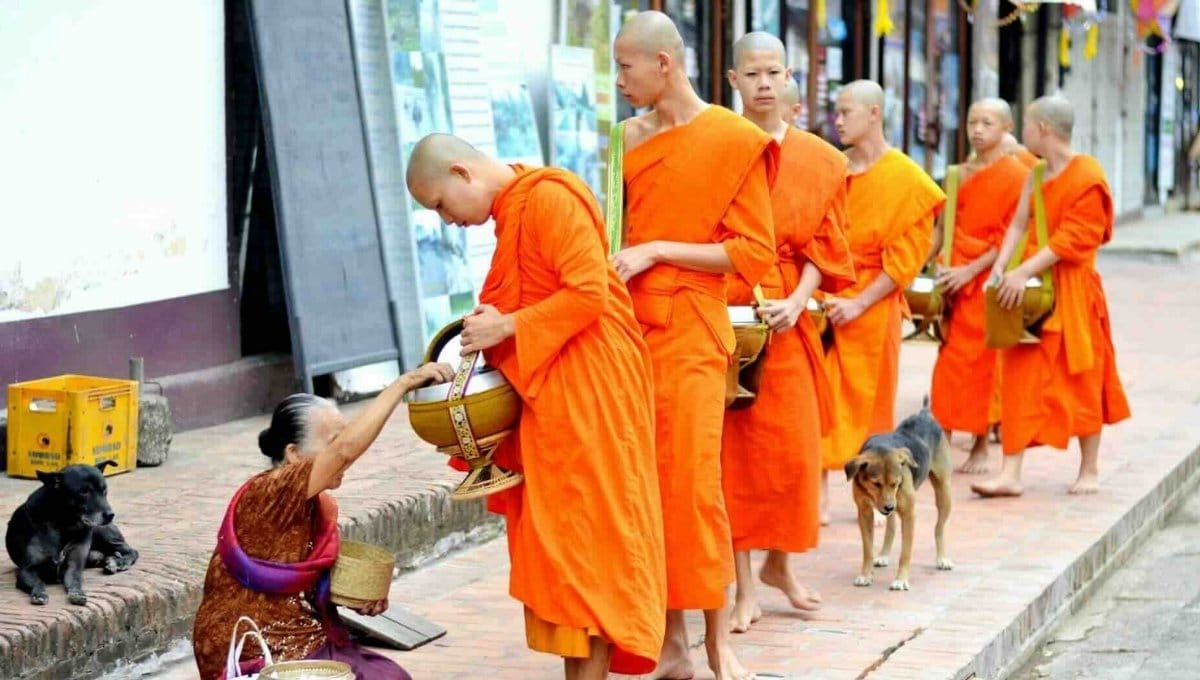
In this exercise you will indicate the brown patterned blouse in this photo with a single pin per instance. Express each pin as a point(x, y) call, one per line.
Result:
point(274, 521)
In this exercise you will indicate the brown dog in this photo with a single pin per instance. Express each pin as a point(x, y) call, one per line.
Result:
point(887, 473)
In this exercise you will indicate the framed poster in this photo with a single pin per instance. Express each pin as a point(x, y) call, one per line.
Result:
point(573, 134)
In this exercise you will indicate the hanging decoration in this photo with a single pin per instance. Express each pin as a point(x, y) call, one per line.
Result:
point(1064, 47)
point(883, 19)
point(1153, 18)
point(821, 22)
point(1082, 19)
point(1020, 11)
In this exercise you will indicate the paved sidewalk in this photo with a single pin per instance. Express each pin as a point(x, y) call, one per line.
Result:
point(1018, 561)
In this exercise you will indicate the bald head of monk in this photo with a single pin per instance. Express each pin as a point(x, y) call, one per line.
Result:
point(988, 120)
point(448, 175)
point(860, 113)
point(1049, 122)
point(759, 75)
point(649, 55)
point(790, 106)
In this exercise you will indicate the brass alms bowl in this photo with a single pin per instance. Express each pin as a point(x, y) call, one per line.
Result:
point(468, 417)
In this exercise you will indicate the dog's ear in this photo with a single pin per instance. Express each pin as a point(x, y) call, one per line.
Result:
point(853, 465)
point(51, 479)
point(906, 458)
point(105, 463)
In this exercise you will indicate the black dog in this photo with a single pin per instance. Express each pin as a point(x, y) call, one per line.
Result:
point(64, 527)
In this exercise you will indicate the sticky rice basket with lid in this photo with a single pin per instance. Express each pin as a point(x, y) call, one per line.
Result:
point(362, 574)
point(468, 417)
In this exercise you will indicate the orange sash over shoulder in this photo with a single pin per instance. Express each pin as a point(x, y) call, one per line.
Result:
point(963, 375)
point(708, 181)
point(891, 209)
point(1067, 385)
point(585, 441)
point(771, 452)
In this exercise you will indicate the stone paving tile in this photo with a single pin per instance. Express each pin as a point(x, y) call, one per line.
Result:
point(1007, 552)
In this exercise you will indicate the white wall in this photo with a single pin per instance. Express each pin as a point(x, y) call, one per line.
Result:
point(112, 131)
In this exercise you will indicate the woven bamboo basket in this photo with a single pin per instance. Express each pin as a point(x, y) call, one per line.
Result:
point(362, 574)
point(307, 670)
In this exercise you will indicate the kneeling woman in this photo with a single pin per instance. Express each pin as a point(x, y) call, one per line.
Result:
point(279, 538)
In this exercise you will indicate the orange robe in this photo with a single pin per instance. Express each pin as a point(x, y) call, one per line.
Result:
point(771, 451)
point(1067, 385)
point(891, 207)
point(708, 181)
point(1028, 160)
point(585, 528)
point(962, 377)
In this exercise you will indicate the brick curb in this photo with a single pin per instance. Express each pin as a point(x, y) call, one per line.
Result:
point(968, 645)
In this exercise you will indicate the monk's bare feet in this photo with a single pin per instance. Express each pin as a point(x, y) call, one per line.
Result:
point(778, 575)
point(745, 613)
point(1086, 484)
point(977, 462)
point(675, 668)
point(998, 487)
point(674, 663)
point(724, 664)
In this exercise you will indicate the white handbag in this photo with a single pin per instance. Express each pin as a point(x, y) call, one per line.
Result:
point(233, 670)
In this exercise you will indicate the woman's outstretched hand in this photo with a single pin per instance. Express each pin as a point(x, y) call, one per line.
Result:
point(429, 374)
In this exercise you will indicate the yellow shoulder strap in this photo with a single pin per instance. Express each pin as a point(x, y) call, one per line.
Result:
point(614, 192)
point(1039, 218)
point(950, 213)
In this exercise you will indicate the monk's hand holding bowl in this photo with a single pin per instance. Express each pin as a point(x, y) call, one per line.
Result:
point(485, 328)
point(635, 260)
point(781, 315)
point(843, 310)
point(952, 279)
point(1012, 288)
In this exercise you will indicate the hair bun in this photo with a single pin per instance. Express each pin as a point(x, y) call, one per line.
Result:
point(268, 445)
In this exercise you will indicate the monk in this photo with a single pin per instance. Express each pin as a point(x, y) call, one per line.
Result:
point(1011, 146)
point(790, 106)
point(990, 184)
point(697, 206)
point(585, 527)
point(1066, 385)
point(891, 206)
point(771, 452)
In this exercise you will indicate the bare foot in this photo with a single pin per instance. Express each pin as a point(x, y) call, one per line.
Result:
point(825, 518)
point(800, 597)
point(745, 613)
point(724, 664)
point(1086, 484)
point(997, 487)
point(975, 464)
point(674, 664)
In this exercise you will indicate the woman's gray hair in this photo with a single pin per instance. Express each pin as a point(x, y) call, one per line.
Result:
point(291, 424)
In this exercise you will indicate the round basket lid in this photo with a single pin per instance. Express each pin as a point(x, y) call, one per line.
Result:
point(307, 670)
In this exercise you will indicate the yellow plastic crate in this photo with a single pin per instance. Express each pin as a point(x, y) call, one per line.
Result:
point(69, 419)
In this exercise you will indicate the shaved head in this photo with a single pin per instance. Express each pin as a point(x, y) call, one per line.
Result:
point(1057, 113)
point(997, 106)
point(865, 92)
point(432, 157)
point(757, 41)
point(790, 94)
point(653, 32)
